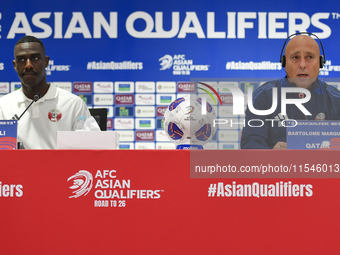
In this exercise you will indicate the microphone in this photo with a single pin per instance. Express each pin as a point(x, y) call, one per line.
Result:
point(36, 97)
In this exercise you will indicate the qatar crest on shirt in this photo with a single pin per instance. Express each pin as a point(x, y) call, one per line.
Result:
point(54, 115)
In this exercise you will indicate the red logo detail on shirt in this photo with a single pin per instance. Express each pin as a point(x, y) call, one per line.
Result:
point(54, 115)
point(302, 95)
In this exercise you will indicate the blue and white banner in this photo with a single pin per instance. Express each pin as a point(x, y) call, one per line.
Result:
point(313, 135)
point(134, 54)
point(8, 134)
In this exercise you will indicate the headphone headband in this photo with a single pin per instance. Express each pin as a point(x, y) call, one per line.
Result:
point(322, 58)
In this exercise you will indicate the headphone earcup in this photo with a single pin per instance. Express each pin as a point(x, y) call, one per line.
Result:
point(322, 61)
point(283, 61)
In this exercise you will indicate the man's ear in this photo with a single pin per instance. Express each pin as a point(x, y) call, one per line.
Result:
point(47, 60)
point(14, 65)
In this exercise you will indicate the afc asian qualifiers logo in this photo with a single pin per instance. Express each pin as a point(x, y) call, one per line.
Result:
point(180, 64)
point(166, 62)
point(82, 183)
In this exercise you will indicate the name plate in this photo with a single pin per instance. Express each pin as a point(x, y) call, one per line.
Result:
point(313, 135)
point(87, 140)
point(8, 134)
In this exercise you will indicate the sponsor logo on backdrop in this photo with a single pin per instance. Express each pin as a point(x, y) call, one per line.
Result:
point(126, 136)
point(145, 123)
point(145, 146)
point(161, 136)
point(210, 146)
point(82, 183)
point(227, 99)
point(103, 99)
point(160, 124)
point(112, 65)
point(15, 86)
point(4, 87)
point(145, 99)
point(145, 87)
point(103, 87)
point(11, 190)
point(82, 87)
point(228, 146)
point(161, 110)
point(145, 111)
point(148, 136)
point(245, 86)
point(58, 68)
point(226, 111)
point(124, 111)
point(180, 65)
point(165, 99)
point(124, 99)
point(2, 65)
point(165, 146)
point(124, 123)
point(109, 124)
point(124, 87)
point(228, 136)
point(166, 87)
point(87, 99)
point(126, 146)
point(186, 87)
point(223, 89)
point(108, 189)
point(64, 85)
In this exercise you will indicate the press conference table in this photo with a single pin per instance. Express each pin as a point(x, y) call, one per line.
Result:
point(165, 202)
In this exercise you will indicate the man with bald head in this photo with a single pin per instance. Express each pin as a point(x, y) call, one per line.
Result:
point(302, 58)
point(302, 62)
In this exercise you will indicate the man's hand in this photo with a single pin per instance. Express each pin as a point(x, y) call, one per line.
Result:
point(280, 146)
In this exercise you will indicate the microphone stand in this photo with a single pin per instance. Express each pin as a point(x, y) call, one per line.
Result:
point(35, 99)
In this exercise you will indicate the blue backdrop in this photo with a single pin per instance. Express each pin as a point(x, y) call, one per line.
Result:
point(101, 49)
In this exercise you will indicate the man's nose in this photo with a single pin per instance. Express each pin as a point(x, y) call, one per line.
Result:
point(28, 64)
point(302, 63)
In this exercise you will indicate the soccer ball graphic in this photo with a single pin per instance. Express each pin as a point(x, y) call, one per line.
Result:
point(184, 122)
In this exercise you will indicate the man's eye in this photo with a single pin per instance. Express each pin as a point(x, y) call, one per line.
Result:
point(35, 58)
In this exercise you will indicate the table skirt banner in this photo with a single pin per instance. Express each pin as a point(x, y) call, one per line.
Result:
point(160, 202)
